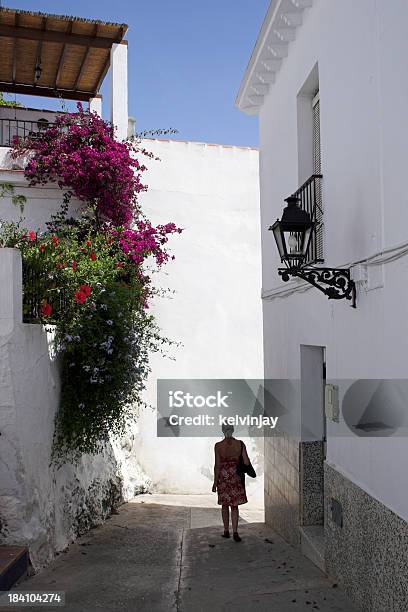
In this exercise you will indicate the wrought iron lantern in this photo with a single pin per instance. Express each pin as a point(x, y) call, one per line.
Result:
point(37, 71)
point(293, 234)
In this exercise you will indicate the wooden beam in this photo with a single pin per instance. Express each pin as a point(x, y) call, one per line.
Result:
point(47, 92)
point(85, 59)
point(62, 57)
point(102, 74)
point(100, 42)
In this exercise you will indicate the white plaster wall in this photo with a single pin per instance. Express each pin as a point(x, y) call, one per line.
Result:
point(215, 312)
point(42, 201)
point(119, 89)
point(361, 49)
point(42, 506)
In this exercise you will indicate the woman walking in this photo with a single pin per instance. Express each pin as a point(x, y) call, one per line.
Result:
point(227, 482)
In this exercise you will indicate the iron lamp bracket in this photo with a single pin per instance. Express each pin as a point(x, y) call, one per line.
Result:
point(336, 283)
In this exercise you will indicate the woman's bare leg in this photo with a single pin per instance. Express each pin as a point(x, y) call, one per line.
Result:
point(234, 518)
point(225, 517)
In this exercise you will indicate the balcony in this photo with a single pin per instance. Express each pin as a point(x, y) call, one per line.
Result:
point(19, 122)
point(310, 194)
point(64, 58)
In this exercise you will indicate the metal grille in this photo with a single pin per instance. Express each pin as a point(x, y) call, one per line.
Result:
point(12, 128)
point(308, 194)
point(317, 168)
point(35, 288)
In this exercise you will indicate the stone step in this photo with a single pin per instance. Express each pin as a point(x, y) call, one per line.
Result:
point(313, 545)
point(13, 564)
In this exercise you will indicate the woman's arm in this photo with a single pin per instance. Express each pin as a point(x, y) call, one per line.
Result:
point(216, 468)
point(245, 455)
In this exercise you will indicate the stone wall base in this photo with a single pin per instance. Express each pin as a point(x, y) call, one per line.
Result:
point(368, 554)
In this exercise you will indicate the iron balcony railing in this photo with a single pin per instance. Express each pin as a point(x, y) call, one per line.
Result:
point(310, 194)
point(35, 289)
point(10, 128)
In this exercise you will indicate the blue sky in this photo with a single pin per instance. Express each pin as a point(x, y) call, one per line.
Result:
point(186, 61)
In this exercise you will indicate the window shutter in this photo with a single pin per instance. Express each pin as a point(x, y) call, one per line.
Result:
point(316, 135)
point(317, 168)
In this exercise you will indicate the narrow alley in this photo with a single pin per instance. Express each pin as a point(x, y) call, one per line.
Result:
point(164, 552)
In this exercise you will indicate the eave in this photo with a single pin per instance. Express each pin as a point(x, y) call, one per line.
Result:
point(278, 30)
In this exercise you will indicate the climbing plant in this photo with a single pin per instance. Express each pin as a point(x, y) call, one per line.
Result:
point(95, 287)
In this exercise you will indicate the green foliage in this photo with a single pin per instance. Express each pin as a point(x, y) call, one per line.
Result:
point(4, 102)
point(87, 277)
point(7, 190)
point(103, 333)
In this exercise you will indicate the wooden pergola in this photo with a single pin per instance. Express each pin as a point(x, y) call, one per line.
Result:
point(54, 55)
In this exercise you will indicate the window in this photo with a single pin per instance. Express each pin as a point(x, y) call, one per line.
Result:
point(309, 161)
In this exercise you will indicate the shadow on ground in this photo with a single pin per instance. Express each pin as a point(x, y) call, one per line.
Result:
point(156, 557)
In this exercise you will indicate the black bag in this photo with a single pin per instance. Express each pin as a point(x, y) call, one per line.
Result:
point(243, 469)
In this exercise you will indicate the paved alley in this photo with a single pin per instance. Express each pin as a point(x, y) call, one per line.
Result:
point(164, 553)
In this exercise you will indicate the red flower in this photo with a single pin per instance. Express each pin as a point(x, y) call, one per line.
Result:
point(92, 256)
point(74, 266)
point(59, 265)
point(42, 248)
point(119, 264)
point(23, 236)
point(86, 290)
point(80, 297)
point(88, 243)
point(55, 240)
point(32, 235)
point(46, 309)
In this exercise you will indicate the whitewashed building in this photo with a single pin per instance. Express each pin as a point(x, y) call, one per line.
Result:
point(328, 81)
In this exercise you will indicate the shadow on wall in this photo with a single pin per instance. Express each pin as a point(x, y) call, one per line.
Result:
point(42, 506)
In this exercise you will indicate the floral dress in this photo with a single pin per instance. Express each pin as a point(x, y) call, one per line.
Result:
point(229, 486)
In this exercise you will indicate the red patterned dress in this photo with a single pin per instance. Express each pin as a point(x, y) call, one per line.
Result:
point(229, 486)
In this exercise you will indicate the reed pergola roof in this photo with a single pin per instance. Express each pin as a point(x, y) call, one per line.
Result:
point(71, 54)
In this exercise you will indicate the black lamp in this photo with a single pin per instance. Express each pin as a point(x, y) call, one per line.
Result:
point(293, 233)
point(37, 71)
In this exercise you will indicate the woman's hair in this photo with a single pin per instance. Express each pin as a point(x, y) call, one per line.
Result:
point(227, 430)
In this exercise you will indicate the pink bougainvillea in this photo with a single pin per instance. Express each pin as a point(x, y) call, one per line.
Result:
point(80, 153)
point(144, 240)
point(95, 288)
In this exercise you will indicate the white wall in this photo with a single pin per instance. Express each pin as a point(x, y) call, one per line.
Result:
point(42, 506)
point(27, 114)
point(360, 48)
point(42, 201)
point(212, 192)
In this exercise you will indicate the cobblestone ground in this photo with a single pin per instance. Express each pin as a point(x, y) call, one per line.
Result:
point(165, 553)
